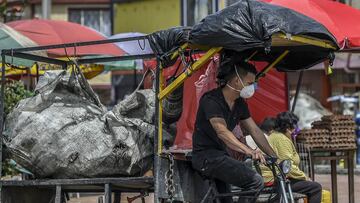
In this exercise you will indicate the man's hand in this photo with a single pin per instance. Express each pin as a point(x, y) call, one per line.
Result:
point(256, 154)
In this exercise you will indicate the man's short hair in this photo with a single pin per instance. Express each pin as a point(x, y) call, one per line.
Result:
point(227, 70)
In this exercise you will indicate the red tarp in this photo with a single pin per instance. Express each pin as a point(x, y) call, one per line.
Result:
point(193, 90)
point(270, 98)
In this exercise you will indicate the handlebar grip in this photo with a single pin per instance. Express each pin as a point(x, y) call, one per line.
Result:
point(270, 159)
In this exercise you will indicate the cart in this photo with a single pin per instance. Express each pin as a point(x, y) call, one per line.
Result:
point(61, 187)
point(174, 179)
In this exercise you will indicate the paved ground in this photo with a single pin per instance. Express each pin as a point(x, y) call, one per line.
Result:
point(323, 179)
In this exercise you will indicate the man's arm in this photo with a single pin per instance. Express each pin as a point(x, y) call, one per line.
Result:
point(258, 136)
point(231, 141)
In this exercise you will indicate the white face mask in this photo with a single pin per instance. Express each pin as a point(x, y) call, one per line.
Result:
point(247, 91)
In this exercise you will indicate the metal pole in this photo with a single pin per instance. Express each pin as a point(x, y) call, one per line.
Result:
point(297, 91)
point(156, 136)
point(35, 58)
point(108, 193)
point(184, 12)
point(64, 66)
point(58, 194)
point(194, 67)
point(350, 159)
point(283, 197)
point(79, 44)
point(46, 9)
point(291, 195)
point(29, 79)
point(37, 72)
point(112, 16)
point(114, 58)
point(80, 61)
point(214, 5)
point(2, 108)
point(287, 90)
point(135, 78)
point(270, 66)
point(117, 197)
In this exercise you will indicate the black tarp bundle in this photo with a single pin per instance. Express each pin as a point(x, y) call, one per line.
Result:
point(248, 26)
point(164, 42)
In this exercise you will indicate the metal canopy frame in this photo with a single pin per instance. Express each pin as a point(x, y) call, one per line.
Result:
point(161, 90)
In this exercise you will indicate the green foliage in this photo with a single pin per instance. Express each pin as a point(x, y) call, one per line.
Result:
point(14, 92)
point(8, 169)
point(3, 6)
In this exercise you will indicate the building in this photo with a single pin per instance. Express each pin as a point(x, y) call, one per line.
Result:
point(345, 80)
point(92, 13)
point(151, 15)
point(128, 15)
point(11, 10)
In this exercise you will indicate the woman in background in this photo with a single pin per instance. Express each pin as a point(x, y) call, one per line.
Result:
point(281, 141)
point(267, 126)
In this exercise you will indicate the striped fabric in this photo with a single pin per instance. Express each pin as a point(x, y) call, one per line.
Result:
point(285, 149)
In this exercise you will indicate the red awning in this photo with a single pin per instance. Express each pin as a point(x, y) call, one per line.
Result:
point(48, 32)
point(73, 1)
point(340, 19)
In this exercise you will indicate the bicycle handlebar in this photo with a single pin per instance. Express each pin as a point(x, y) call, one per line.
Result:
point(269, 159)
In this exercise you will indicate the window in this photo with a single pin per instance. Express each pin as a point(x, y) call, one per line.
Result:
point(195, 10)
point(98, 19)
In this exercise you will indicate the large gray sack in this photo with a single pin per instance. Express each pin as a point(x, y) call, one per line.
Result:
point(65, 132)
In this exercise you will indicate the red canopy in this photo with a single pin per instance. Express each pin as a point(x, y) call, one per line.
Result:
point(47, 32)
point(340, 19)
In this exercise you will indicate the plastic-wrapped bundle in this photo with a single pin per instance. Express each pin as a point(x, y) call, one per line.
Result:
point(64, 131)
point(308, 110)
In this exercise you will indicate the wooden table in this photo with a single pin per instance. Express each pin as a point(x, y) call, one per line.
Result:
point(333, 155)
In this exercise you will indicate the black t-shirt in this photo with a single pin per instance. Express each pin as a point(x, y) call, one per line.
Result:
point(213, 105)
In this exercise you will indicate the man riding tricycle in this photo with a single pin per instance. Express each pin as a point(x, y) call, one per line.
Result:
point(235, 39)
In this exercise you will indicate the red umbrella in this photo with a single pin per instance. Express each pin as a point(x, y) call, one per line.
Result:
point(48, 32)
point(340, 19)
